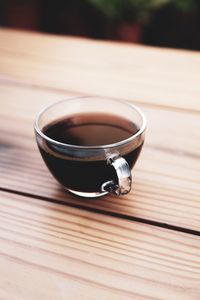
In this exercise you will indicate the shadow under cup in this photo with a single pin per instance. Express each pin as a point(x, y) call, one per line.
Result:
point(91, 170)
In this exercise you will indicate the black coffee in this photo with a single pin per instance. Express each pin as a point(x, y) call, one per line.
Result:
point(87, 130)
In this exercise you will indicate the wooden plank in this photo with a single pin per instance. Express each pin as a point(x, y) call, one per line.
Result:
point(147, 75)
point(49, 251)
point(166, 178)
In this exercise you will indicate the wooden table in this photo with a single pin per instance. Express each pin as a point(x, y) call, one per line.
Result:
point(144, 245)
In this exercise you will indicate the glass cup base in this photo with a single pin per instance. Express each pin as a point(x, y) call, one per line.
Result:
point(87, 195)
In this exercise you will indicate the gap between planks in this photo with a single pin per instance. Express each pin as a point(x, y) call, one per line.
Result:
point(164, 191)
point(104, 212)
point(7, 80)
point(91, 254)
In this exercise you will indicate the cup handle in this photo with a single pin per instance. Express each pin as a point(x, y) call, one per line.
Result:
point(123, 174)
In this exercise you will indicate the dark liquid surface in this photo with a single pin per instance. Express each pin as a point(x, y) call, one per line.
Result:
point(90, 130)
point(87, 130)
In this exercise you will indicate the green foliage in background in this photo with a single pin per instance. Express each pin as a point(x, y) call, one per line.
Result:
point(137, 10)
point(185, 5)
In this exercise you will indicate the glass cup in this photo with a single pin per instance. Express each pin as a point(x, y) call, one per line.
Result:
point(92, 170)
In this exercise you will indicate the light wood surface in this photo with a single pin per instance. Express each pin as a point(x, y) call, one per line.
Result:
point(163, 190)
point(72, 252)
point(144, 245)
point(147, 75)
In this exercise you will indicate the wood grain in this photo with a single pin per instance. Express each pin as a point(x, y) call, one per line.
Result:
point(166, 185)
point(94, 249)
point(161, 77)
point(49, 251)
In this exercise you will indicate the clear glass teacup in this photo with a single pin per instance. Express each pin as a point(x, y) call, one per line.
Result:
point(90, 144)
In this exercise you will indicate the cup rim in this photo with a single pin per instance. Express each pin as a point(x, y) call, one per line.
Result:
point(78, 147)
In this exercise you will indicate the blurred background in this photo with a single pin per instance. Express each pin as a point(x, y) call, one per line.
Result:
point(167, 23)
